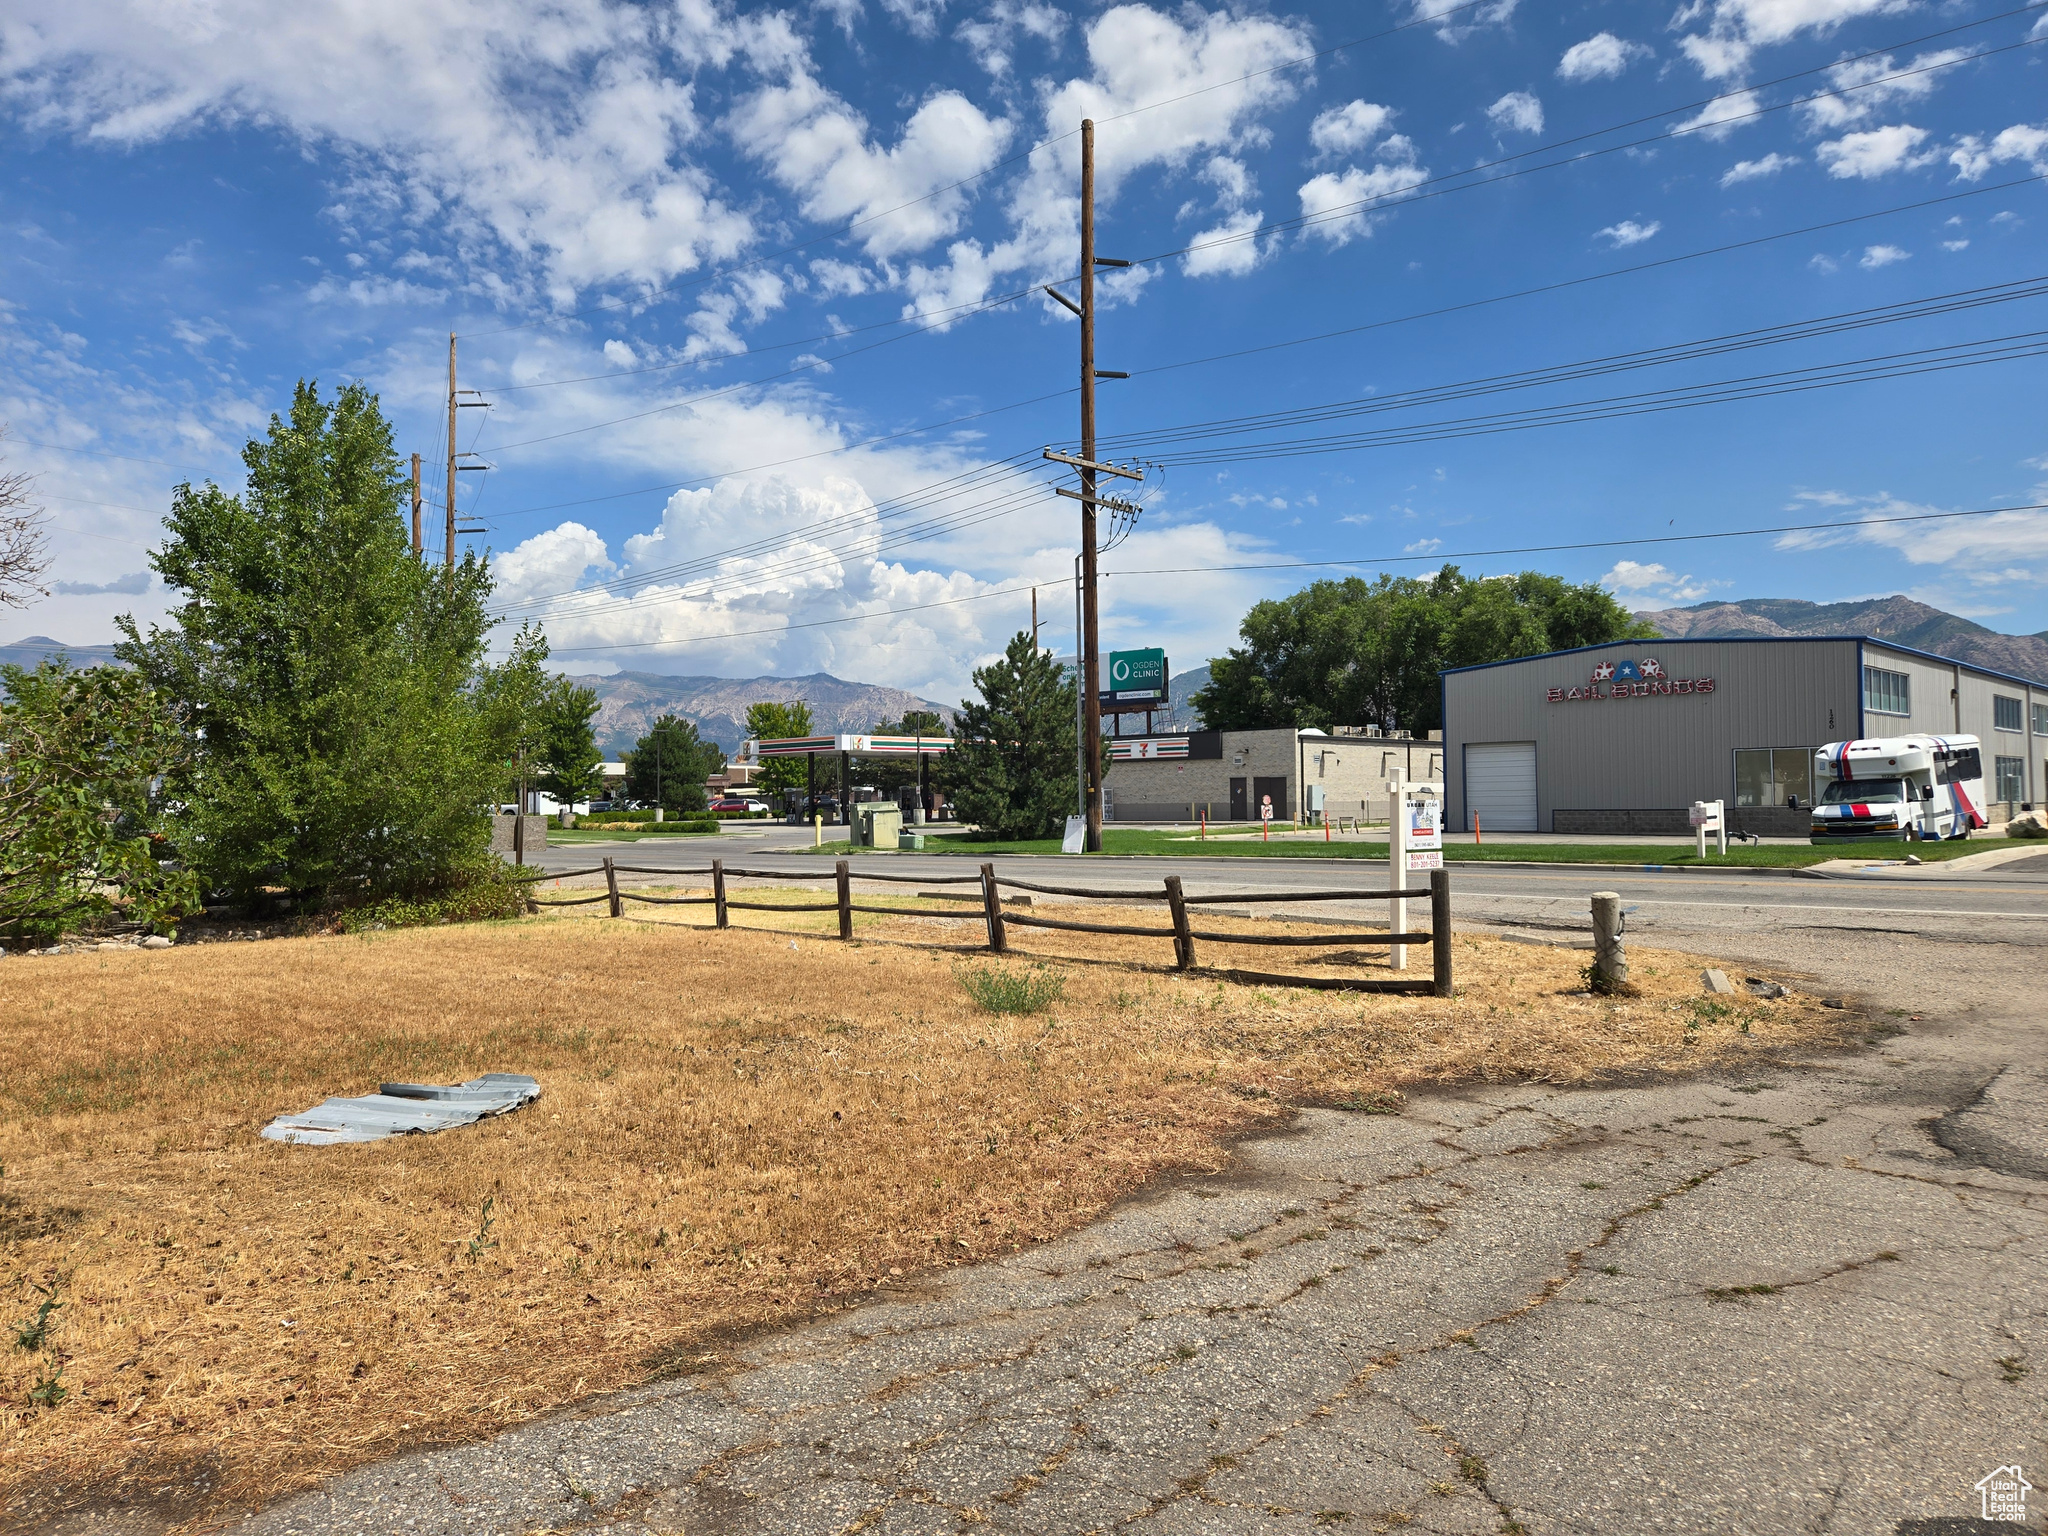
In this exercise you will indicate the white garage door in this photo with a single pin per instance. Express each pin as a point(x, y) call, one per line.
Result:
point(1500, 785)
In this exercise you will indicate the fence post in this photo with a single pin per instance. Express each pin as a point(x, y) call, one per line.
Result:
point(992, 909)
point(611, 883)
point(718, 890)
point(1440, 929)
point(1610, 963)
point(1183, 940)
point(845, 899)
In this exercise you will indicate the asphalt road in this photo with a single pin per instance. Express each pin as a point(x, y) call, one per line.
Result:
point(1806, 1296)
point(1930, 899)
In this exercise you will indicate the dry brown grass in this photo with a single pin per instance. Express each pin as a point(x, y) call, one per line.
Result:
point(737, 1129)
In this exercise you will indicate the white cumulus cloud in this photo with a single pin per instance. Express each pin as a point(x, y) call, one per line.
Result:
point(1875, 256)
point(1339, 204)
point(816, 145)
point(1629, 232)
point(1756, 170)
point(1600, 57)
point(1861, 86)
point(1972, 157)
point(1347, 129)
point(1517, 112)
point(1722, 116)
point(1874, 152)
point(1737, 28)
point(1634, 581)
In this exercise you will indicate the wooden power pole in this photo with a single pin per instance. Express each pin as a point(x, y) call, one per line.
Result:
point(1091, 661)
point(416, 506)
point(450, 552)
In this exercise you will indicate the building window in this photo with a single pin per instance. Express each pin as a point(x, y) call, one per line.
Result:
point(1887, 693)
point(2012, 778)
point(1773, 775)
point(2041, 719)
point(2005, 713)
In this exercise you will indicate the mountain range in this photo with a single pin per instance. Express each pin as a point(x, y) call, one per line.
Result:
point(1898, 619)
point(630, 702)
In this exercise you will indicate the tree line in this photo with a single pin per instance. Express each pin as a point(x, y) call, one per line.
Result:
point(318, 717)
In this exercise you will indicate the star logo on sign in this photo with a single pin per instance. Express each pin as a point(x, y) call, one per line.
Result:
point(1604, 672)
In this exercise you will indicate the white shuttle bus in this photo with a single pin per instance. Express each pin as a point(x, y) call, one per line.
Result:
point(1919, 788)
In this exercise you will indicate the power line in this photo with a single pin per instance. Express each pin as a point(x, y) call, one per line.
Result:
point(1156, 440)
point(1766, 386)
point(801, 458)
point(1931, 307)
point(1402, 559)
point(1939, 359)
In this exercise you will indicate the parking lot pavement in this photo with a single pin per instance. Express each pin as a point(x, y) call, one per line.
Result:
point(1805, 1297)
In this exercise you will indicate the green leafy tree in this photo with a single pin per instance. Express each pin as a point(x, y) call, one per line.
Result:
point(1358, 652)
point(83, 760)
point(668, 766)
point(512, 697)
point(770, 721)
point(328, 679)
point(569, 759)
point(1010, 770)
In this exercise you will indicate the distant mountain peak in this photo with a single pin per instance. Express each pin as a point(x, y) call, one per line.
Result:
point(630, 702)
point(1898, 618)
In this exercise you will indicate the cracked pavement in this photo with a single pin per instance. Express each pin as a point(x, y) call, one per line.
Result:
point(1805, 1297)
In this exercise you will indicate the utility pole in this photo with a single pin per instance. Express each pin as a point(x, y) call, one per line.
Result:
point(416, 506)
point(1034, 618)
point(450, 552)
point(1091, 706)
point(453, 406)
point(1091, 664)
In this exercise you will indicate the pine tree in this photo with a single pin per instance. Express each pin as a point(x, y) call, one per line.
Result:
point(1011, 766)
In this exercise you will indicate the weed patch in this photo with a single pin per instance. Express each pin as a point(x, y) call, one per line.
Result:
point(1003, 990)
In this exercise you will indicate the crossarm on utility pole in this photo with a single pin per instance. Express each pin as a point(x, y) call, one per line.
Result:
point(1088, 462)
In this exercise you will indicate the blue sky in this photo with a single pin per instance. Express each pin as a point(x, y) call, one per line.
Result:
point(703, 257)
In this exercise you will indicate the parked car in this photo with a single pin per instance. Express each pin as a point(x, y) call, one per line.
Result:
point(732, 805)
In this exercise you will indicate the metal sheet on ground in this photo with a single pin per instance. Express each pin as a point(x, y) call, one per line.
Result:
point(399, 1109)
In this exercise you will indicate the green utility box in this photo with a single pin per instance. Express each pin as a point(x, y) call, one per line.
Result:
point(910, 841)
point(876, 824)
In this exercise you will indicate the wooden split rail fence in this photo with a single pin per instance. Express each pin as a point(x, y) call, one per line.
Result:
point(1182, 931)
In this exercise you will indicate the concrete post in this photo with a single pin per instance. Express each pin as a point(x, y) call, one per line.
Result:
point(1610, 965)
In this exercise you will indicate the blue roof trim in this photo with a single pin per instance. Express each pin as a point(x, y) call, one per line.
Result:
point(1858, 640)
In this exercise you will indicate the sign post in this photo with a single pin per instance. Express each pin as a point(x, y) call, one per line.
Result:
point(1415, 842)
point(1709, 816)
point(1397, 865)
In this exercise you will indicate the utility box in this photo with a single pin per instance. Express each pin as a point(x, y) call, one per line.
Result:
point(876, 824)
point(910, 840)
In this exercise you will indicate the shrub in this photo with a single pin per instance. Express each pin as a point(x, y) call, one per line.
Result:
point(484, 894)
point(1002, 991)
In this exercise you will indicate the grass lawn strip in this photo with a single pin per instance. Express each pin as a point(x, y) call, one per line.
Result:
point(736, 1129)
point(1670, 856)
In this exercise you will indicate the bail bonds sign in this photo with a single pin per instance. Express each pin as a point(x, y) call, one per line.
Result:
point(1628, 680)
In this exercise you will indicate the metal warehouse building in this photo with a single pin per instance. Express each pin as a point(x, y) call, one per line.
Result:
point(1624, 738)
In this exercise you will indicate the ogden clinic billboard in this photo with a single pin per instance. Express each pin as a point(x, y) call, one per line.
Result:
point(1135, 677)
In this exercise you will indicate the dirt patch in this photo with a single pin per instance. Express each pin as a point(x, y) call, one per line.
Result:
point(738, 1129)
